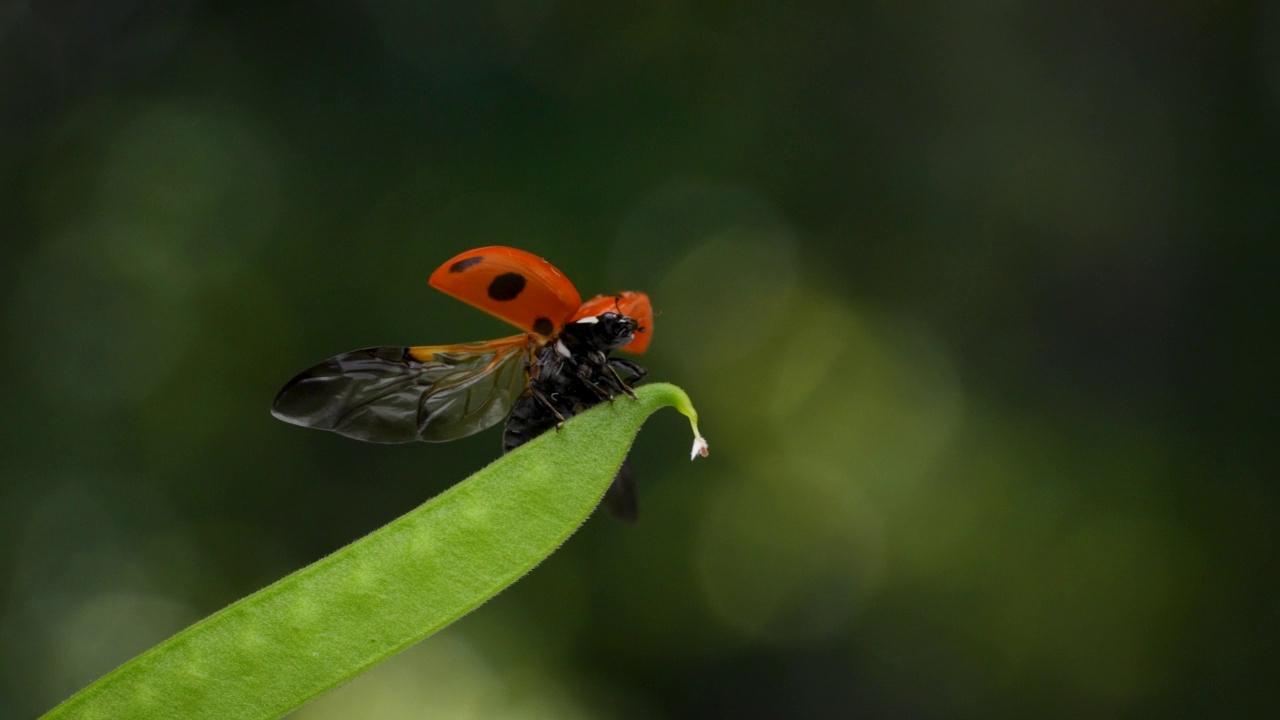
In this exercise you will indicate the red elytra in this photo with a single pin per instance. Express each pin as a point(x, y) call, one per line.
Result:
point(528, 292)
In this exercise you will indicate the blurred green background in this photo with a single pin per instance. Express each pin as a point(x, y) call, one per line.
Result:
point(977, 302)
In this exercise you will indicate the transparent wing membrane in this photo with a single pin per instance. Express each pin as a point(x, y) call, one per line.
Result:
point(402, 394)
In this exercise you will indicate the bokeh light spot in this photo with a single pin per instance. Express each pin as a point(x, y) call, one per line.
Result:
point(882, 404)
point(84, 597)
point(789, 554)
point(91, 339)
point(198, 191)
point(444, 678)
point(733, 290)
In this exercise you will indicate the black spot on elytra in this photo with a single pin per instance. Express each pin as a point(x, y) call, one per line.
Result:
point(543, 326)
point(506, 286)
point(464, 264)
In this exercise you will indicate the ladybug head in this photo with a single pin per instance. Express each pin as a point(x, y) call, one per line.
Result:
point(606, 332)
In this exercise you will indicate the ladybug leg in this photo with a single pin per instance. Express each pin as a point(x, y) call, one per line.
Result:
point(540, 397)
point(617, 380)
point(602, 393)
point(637, 372)
point(604, 368)
point(587, 371)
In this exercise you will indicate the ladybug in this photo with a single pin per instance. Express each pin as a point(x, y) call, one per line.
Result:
point(559, 366)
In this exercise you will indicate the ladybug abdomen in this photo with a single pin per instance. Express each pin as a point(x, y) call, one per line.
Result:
point(528, 419)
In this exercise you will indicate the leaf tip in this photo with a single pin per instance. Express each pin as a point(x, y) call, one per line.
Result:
point(671, 395)
point(699, 448)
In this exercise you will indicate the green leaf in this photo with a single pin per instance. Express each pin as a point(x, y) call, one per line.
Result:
point(317, 628)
